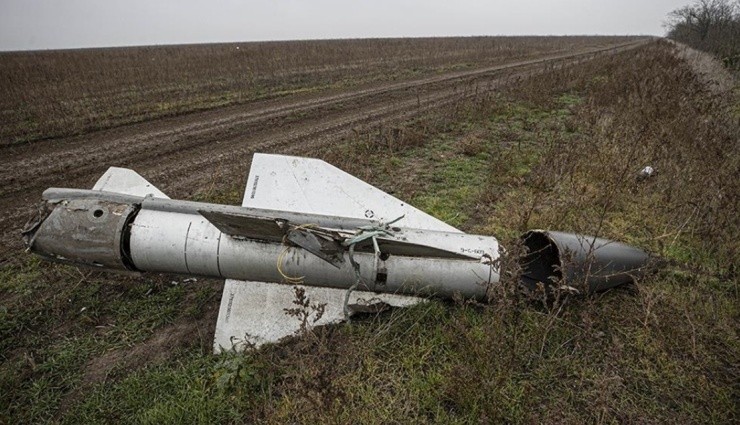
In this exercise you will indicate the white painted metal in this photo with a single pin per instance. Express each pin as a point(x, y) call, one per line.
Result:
point(307, 185)
point(252, 313)
point(125, 223)
point(129, 182)
point(186, 243)
point(157, 241)
point(162, 241)
point(177, 239)
point(202, 239)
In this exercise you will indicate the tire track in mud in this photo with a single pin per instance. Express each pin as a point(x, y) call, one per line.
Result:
point(179, 154)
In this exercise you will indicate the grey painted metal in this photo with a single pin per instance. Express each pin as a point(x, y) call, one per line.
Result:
point(191, 207)
point(189, 244)
point(420, 254)
point(182, 241)
point(302, 185)
point(91, 232)
point(56, 194)
point(580, 260)
point(407, 241)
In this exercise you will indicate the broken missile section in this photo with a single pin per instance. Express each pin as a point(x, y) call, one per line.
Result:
point(596, 264)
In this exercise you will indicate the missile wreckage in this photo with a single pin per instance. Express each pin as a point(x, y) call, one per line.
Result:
point(303, 223)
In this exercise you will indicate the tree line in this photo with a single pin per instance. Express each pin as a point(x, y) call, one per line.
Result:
point(709, 25)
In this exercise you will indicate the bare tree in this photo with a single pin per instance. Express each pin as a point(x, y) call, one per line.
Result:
point(711, 25)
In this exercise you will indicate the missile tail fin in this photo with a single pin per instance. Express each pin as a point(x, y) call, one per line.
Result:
point(256, 313)
point(312, 186)
point(129, 182)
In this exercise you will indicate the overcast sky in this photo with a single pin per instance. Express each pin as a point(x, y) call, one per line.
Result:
point(55, 24)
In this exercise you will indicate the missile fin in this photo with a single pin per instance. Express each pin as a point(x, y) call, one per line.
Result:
point(256, 313)
point(312, 186)
point(129, 182)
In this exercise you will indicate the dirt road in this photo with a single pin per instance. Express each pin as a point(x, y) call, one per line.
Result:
point(180, 154)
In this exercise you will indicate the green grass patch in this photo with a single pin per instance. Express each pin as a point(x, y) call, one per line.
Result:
point(55, 319)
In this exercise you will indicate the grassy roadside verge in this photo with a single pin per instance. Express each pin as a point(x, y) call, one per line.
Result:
point(559, 152)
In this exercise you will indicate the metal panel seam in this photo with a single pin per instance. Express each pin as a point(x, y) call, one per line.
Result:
point(218, 254)
point(187, 236)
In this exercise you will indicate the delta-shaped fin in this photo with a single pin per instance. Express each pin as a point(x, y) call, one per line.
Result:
point(256, 313)
point(312, 186)
point(129, 182)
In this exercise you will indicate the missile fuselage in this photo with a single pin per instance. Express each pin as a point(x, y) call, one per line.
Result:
point(145, 234)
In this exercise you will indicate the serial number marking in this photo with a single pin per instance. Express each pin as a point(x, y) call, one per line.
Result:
point(254, 186)
point(472, 251)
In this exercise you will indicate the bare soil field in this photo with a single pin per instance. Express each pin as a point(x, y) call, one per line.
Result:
point(493, 135)
point(57, 93)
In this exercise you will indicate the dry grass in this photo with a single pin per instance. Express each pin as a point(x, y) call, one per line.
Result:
point(652, 110)
point(562, 152)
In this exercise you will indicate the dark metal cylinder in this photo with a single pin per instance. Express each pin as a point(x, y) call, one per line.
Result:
point(580, 260)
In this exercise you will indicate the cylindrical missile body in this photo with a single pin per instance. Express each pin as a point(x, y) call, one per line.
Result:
point(180, 243)
point(172, 238)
